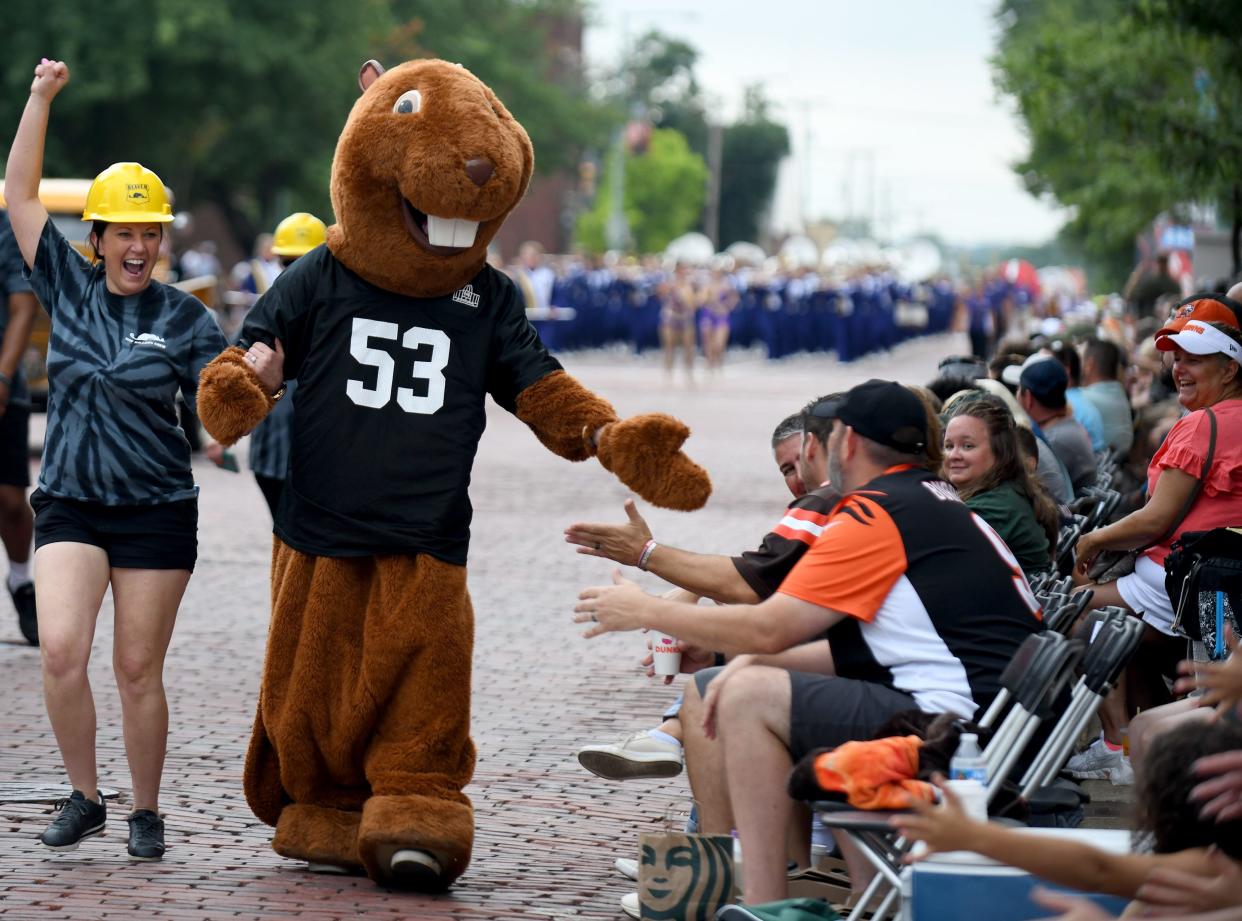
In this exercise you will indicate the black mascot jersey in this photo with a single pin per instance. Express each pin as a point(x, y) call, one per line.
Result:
point(405, 378)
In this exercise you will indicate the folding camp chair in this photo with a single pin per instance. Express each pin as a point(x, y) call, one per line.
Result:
point(1112, 643)
point(1062, 617)
point(1030, 683)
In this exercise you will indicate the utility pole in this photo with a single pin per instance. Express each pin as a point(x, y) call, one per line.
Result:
point(715, 149)
point(617, 230)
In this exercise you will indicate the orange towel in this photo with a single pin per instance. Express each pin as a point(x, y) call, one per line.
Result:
point(875, 775)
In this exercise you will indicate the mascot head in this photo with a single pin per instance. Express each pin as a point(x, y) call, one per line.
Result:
point(428, 167)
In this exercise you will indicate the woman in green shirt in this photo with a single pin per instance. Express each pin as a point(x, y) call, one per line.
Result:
point(984, 464)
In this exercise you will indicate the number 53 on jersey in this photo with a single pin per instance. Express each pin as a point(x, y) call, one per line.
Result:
point(431, 370)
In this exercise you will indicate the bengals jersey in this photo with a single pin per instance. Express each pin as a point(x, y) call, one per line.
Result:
point(389, 406)
point(935, 603)
point(764, 569)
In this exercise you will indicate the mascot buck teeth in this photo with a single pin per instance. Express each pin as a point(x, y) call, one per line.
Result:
point(395, 330)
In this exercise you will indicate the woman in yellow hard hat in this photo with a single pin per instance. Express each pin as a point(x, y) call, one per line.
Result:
point(116, 503)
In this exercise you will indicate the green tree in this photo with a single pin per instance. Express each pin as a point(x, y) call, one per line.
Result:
point(753, 149)
point(660, 76)
point(664, 190)
point(1123, 102)
point(240, 102)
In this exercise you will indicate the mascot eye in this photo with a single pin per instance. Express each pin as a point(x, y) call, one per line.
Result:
point(408, 102)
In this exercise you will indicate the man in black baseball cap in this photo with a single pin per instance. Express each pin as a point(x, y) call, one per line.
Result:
point(882, 583)
point(885, 412)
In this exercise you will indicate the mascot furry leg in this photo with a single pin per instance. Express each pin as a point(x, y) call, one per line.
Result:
point(373, 754)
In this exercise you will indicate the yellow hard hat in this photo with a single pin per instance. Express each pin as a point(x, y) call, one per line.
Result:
point(298, 234)
point(127, 192)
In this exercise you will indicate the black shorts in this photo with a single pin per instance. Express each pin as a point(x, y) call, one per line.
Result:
point(825, 712)
point(163, 536)
point(15, 447)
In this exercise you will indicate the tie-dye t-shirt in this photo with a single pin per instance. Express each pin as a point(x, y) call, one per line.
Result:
point(115, 365)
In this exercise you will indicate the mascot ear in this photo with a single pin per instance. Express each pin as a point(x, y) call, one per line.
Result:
point(369, 72)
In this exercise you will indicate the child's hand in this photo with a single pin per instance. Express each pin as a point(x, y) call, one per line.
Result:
point(49, 79)
point(1176, 889)
point(1071, 907)
point(946, 827)
point(1221, 682)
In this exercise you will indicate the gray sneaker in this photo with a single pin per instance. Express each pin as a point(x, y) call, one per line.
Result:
point(638, 755)
point(1099, 762)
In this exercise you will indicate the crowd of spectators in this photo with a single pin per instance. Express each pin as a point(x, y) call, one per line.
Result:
point(900, 579)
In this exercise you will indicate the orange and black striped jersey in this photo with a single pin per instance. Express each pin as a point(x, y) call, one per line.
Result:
point(804, 520)
point(936, 604)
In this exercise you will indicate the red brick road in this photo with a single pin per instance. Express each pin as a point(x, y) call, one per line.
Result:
point(547, 831)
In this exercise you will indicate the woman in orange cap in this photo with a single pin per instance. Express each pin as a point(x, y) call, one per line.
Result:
point(116, 504)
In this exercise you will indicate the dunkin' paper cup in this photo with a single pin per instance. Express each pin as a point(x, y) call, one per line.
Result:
point(666, 655)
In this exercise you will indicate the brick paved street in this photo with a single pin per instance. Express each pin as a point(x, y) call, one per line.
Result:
point(547, 831)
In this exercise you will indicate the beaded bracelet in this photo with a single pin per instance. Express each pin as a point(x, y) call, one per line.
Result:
point(648, 549)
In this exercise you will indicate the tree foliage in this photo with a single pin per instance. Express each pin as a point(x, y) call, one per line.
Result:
point(753, 149)
point(240, 102)
point(659, 77)
point(664, 191)
point(1126, 105)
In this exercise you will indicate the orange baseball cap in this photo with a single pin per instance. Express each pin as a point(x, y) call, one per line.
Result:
point(1203, 307)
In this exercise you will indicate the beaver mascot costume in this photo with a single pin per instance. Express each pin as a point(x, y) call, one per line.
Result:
point(395, 331)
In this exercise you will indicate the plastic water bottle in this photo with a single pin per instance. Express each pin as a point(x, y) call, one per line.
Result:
point(968, 763)
point(968, 777)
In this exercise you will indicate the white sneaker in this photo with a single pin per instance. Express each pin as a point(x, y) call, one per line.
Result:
point(639, 755)
point(627, 867)
point(629, 905)
point(1099, 762)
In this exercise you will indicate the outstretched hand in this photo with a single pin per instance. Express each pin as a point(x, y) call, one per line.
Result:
point(946, 827)
point(621, 543)
point(611, 608)
point(50, 78)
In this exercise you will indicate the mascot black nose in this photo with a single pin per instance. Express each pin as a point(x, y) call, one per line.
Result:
point(480, 170)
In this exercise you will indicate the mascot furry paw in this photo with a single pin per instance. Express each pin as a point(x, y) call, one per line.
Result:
point(395, 331)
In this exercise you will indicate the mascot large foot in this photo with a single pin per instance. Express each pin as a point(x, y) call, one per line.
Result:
point(416, 842)
point(325, 838)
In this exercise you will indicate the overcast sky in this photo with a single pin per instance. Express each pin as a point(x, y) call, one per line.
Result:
point(896, 89)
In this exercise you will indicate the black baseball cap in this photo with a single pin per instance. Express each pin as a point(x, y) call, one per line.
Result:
point(883, 411)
